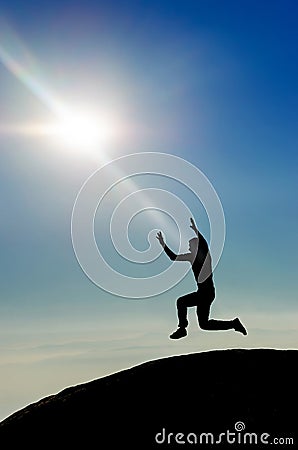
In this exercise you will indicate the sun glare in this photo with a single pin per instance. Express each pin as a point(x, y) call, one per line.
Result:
point(82, 131)
point(78, 130)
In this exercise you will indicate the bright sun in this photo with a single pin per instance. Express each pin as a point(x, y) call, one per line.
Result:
point(82, 130)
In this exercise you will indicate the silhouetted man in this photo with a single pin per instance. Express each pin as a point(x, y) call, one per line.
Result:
point(200, 259)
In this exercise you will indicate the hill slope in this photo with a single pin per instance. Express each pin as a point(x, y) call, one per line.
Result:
point(198, 393)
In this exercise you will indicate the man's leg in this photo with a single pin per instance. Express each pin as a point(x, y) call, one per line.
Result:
point(203, 311)
point(182, 304)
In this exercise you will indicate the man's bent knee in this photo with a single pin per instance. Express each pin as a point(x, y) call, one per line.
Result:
point(180, 302)
point(204, 324)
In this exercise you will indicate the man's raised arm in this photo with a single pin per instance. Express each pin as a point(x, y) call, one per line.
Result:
point(194, 227)
point(198, 234)
point(168, 251)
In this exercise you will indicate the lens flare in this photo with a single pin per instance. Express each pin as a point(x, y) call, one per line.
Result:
point(72, 126)
point(82, 130)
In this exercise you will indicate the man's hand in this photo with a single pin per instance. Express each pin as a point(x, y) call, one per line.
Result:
point(193, 226)
point(159, 237)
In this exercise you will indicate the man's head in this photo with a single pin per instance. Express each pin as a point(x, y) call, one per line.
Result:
point(193, 245)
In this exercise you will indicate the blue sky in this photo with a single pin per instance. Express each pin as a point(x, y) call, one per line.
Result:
point(212, 82)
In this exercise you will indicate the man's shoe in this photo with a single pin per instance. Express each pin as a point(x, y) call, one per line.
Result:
point(239, 327)
point(178, 334)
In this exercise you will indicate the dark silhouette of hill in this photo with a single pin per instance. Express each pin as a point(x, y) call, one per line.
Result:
point(192, 394)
